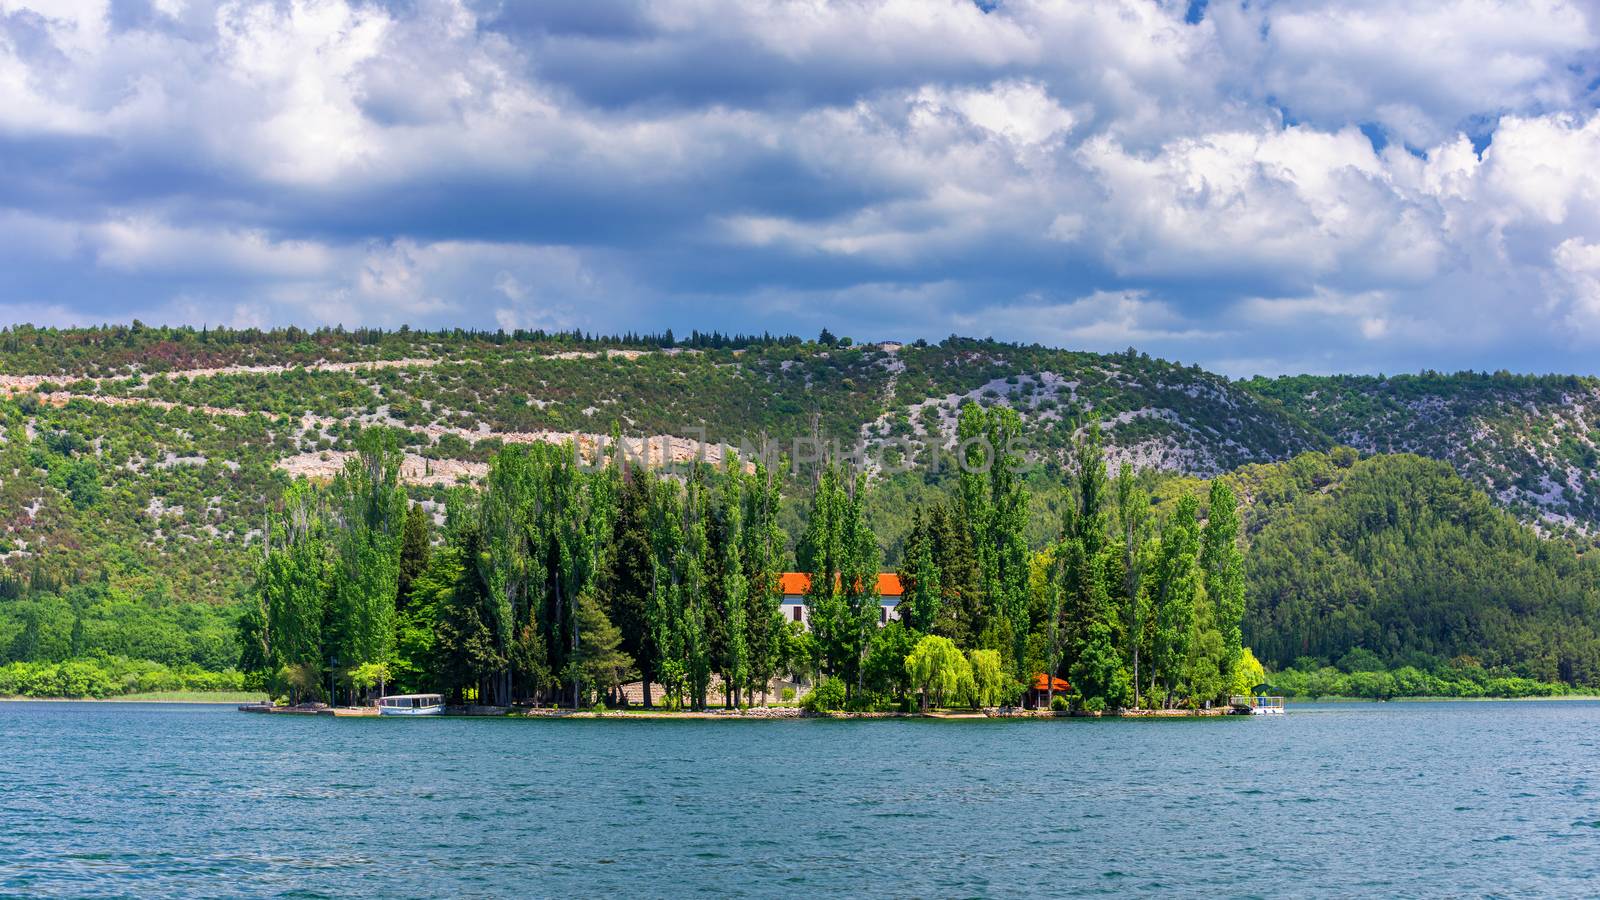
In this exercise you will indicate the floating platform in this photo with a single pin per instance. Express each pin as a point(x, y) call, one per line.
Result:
point(309, 710)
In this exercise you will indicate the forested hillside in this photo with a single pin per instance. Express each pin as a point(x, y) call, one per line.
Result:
point(138, 465)
point(1530, 442)
point(1399, 556)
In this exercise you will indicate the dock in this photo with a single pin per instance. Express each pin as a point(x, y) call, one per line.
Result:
point(309, 709)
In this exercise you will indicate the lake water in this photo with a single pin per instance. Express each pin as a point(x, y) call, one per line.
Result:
point(1402, 799)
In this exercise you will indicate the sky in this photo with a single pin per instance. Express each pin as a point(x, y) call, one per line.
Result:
point(1259, 187)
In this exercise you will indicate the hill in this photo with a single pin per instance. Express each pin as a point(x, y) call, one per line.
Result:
point(1402, 558)
point(137, 463)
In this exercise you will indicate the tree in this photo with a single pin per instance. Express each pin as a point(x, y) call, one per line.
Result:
point(1249, 674)
point(416, 543)
point(630, 570)
point(510, 560)
point(291, 587)
point(1174, 591)
point(1092, 616)
point(369, 508)
point(1133, 519)
point(728, 583)
point(921, 599)
point(763, 551)
point(367, 675)
point(884, 670)
point(841, 555)
point(990, 685)
point(466, 652)
point(936, 667)
point(1223, 565)
point(662, 617)
point(601, 665)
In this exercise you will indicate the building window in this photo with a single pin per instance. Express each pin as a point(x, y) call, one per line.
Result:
point(797, 614)
point(883, 615)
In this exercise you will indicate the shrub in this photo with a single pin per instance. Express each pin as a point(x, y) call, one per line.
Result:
point(827, 696)
point(1058, 703)
point(786, 695)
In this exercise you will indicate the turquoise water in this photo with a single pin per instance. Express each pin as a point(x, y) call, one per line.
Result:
point(1358, 799)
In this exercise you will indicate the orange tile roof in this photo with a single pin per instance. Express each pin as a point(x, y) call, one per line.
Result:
point(794, 584)
point(1041, 682)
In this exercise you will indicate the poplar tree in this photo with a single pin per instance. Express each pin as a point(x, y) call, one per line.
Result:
point(467, 652)
point(1134, 526)
point(763, 542)
point(291, 587)
point(510, 566)
point(369, 507)
point(821, 553)
point(995, 508)
point(1092, 618)
point(842, 558)
point(1223, 565)
point(691, 612)
point(1174, 590)
point(662, 618)
point(858, 582)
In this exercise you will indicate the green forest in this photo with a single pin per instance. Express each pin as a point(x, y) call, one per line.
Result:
point(1431, 525)
point(558, 582)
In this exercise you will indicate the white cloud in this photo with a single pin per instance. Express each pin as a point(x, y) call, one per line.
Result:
point(898, 163)
point(1103, 320)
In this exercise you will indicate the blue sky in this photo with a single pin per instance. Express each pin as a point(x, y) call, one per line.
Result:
point(1259, 187)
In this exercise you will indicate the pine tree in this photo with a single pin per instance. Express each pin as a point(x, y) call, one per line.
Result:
point(922, 598)
point(415, 546)
point(601, 665)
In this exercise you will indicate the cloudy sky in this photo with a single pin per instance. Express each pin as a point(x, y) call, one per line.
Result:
point(1261, 187)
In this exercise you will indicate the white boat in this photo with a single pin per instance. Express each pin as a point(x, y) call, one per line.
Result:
point(1256, 705)
point(1267, 706)
point(411, 705)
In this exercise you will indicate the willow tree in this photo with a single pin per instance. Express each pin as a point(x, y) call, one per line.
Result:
point(369, 509)
point(936, 666)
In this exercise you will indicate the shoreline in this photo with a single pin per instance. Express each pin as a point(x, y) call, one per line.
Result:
point(780, 712)
point(230, 699)
point(1291, 701)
